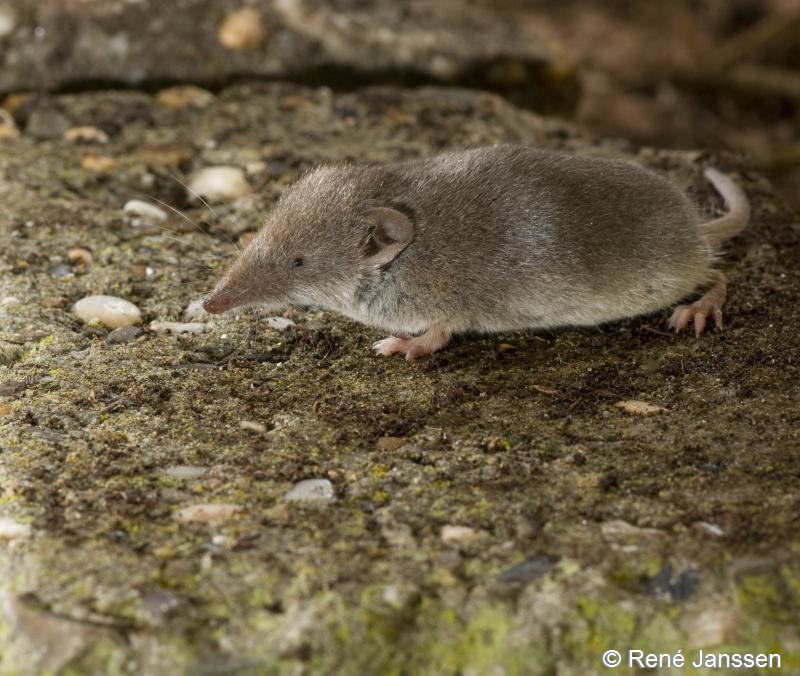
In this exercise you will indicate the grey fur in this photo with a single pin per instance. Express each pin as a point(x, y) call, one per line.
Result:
point(507, 237)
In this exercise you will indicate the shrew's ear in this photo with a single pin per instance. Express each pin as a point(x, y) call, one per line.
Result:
point(390, 231)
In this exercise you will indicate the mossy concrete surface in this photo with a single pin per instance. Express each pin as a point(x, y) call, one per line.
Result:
point(586, 528)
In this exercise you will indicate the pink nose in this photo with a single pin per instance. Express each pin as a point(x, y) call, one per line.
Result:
point(216, 303)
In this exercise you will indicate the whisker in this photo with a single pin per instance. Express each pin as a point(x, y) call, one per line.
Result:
point(227, 239)
point(197, 195)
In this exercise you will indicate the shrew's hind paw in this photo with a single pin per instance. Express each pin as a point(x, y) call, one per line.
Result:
point(696, 313)
point(709, 305)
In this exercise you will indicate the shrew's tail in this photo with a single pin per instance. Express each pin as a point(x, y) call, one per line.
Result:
point(732, 223)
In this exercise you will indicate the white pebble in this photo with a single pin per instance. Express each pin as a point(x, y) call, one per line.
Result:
point(185, 471)
point(636, 407)
point(710, 528)
point(311, 490)
point(176, 327)
point(279, 323)
point(206, 513)
point(109, 310)
point(460, 535)
point(8, 20)
point(145, 210)
point(253, 426)
point(195, 311)
point(219, 184)
point(8, 301)
point(11, 530)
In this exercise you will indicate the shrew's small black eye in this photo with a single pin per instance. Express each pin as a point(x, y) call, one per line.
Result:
point(297, 263)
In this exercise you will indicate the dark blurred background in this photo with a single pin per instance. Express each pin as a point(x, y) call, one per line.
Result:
point(716, 74)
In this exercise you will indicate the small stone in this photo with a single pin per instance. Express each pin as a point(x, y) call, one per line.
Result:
point(8, 128)
point(460, 535)
point(709, 626)
point(184, 96)
point(279, 323)
point(219, 184)
point(186, 471)
point(79, 256)
point(111, 311)
point(144, 210)
point(635, 407)
point(9, 301)
point(708, 528)
point(6, 410)
point(627, 537)
point(158, 605)
point(242, 29)
point(85, 135)
point(54, 302)
point(390, 444)
point(195, 311)
point(12, 531)
point(60, 270)
point(311, 490)
point(10, 388)
point(168, 155)
point(15, 100)
point(206, 513)
point(8, 20)
point(253, 426)
point(47, 123)
point(124, 334)
point(505, 347)
point(527, 571)
point(98, 164)
point(176, 327)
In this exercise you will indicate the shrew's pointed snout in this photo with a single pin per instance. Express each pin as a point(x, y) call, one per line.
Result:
point(216, 303)
point(249, 281)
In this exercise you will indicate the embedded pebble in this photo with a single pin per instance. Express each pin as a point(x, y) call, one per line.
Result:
point(279, 323)
point(11, 530)
point(145, 210)
point(186, 471)
point(60, 270)
point(635, 407)
point(627, 537)
point(6, 410)
point(79, 256)
point(194, 310)
point(390, 444)
point(98, 164)
point(527, 571)
point(206, 513)
point(253, 426)
point(176, 327)
point(460, 535)
point(9, 301)
point(47, 123)
point(124, 334)
point(708, 528)
point(54, 302)
point(184, 96)
point(710, 625)
point(85, 135)
point(8, 20)
point(242, 29)
point(8, 128)
point(311, 490)
point(219, 184)
point(111, 311)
